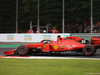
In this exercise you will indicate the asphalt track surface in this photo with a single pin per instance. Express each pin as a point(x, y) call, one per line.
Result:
point(75, 55)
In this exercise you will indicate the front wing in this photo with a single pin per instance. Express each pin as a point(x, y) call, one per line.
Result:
point(9, 52)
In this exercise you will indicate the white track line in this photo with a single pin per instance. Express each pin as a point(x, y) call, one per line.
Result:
point(39, 57)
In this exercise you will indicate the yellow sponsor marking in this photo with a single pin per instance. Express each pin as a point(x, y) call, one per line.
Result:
point(55, 47)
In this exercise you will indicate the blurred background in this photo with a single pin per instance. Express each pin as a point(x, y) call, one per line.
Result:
point(67, 16)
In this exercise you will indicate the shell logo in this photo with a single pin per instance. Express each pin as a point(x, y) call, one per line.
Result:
point(55, 47)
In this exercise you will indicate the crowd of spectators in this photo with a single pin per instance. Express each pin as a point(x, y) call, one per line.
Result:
point(71, 26)
point(83, 26)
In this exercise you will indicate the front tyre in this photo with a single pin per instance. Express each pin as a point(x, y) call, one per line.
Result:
point(88, 50)
point(22, 50)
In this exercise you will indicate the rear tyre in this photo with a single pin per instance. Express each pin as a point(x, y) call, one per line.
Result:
point(95, 50)
point(22, 50)
point(88, 50)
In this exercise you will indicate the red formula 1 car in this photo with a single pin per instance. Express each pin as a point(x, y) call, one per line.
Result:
point(62, 45)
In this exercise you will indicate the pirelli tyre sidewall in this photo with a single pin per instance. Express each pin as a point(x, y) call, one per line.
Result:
point(88, 50)
point(22, 50)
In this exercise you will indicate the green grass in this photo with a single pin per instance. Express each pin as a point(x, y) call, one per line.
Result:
point(48, 66)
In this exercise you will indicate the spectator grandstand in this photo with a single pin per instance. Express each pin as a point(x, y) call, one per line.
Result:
point(77, 14)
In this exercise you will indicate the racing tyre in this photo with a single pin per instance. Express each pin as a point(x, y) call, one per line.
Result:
point(95, 50)
point(88, 50)
point(22, 50)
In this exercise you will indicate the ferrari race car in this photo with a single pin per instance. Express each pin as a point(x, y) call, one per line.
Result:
point(62, 45)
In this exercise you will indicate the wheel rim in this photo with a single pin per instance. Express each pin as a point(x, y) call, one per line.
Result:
point(22, 50)
point(88, 50)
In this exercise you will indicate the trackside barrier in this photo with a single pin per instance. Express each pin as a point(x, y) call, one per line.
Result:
point(38, 37)
point(29, 37)
point(86, 36)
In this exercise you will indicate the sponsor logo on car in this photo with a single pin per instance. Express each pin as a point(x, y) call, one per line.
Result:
point(71, 46)
point(62, 47)
point(44, 46)
point(55, 47)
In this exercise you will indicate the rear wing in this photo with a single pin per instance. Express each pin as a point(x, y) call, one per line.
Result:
point(95, 41)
